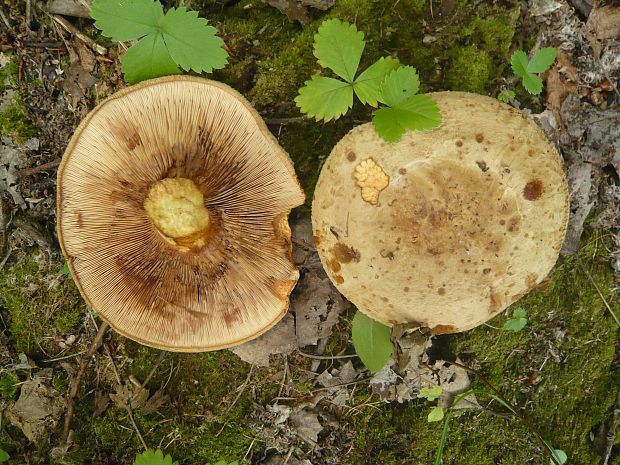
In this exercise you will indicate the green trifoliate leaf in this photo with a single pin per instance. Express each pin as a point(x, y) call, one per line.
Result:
point(399, 85)
point(4, 456)
point(517, 322)
point(339, 46)
point(191, 43)
point(126, 19)
point(151, 457)
point(436, 414)
point(148, 59)
point(179, 37)
point(542, 60)
point(325, 98)
point(372, 341)
point(367, 86)
point(526, 69)
point(430, 393)
point(418, 112)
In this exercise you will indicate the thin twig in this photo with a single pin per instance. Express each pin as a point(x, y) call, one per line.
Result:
point(589, 276)
point(119, 381)
point(37, 169)
point(70, 28)
point(610, 440)
point(64, 358)
point(283, 121)
point(162, 355)
point(326, 357)
point(75, 384)
point(6, 21)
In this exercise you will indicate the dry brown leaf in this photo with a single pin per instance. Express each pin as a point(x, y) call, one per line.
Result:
point(278, 340)
point(38, 409)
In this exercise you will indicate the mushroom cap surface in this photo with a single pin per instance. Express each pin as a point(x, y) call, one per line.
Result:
point(444, 228)
point(229, 283)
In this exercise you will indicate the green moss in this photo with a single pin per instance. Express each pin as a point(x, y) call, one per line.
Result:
point(8, 385)
point(38, 302)
point(568, 319)
point(14, 123)
point(470, 69)
point(8, 75)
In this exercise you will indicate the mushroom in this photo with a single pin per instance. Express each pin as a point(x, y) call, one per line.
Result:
point(173, 202)
point(444, 228)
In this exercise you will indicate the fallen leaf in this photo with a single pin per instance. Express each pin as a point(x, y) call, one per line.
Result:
point(306, 425)
point(278, 340)
point(38, 409)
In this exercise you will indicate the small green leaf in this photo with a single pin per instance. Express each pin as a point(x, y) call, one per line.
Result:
point(532, 83)
point(560, 456)
point(517, 322)
point(4, 456)
point(191, 43)
point(325, 98)
point(339, 46)
point(436, 414)
point(224, 462)
point(367, 86)
point(430, 393)
point(372, 342)
point(65, 270)
point(525, 69)
point(542, 60)
point(519, 62)
point(126, 19)
point(148, 59)
point(419, 112)
point(399, 85)
point(151, 457)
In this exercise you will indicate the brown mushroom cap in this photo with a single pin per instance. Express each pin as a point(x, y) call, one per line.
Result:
point(208, 266)
point(445, 228)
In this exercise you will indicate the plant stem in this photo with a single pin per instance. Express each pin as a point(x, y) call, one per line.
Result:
point(526, 422)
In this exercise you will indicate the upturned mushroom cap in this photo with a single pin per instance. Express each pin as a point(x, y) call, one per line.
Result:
point(445, 228)
point(173, 203)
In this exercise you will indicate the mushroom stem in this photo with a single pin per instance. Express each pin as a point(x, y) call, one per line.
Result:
point(176, 207)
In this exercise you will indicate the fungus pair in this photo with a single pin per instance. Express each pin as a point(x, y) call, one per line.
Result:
point(173, 203)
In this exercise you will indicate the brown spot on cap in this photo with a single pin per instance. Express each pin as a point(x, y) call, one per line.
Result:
point(351, 156)
point(441, 291)
point(533, 190)
point(334, 265)
point(483, 166)
point(402, 171)
point(459, 143)
point(339, 279)
point(479, 138)
point(345, 254)
point(444, 329)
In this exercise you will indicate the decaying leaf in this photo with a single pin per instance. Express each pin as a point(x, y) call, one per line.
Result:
point(305, 423)
point(317, 305)
point(13, 157)
point(603, 24)
point(132, 394)
point(38, 409)
point(278, 340)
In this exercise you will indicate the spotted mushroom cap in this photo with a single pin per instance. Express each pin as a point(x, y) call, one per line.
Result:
point(445, 228)
point(221, 278)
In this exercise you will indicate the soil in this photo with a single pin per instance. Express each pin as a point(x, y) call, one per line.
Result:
point(299, 395)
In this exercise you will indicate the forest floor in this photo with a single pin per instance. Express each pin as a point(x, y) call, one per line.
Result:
point(300, 396)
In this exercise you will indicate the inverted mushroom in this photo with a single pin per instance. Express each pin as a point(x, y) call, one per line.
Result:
point(445, 228)
point(173, 202)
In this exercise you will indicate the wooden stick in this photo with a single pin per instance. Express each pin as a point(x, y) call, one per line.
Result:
point(80, 35)
point(75, 384)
